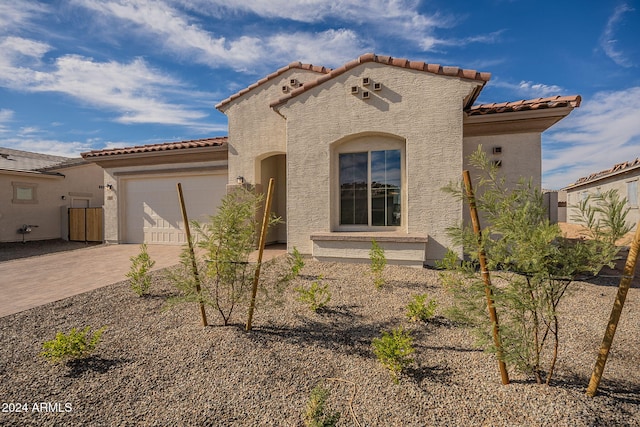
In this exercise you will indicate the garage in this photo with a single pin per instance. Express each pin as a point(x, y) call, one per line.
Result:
point(140, 196)
point(152, 208)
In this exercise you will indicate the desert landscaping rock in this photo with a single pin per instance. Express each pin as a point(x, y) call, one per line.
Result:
point(160, 367)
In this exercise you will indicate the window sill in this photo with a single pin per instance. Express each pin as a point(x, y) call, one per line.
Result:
point(367, 236)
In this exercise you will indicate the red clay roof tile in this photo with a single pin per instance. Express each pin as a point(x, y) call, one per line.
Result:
point(523, 105)
point(195, 143)
point(316, 68)
point(383, 59)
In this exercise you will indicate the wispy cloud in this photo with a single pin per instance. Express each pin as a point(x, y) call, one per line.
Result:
point(330, 48)
point(134, 90)
point(47, 146)
point(6, 116)
point(167, 23)
point(179, 33)
point(19, 14)
point(528, 89)
point(604, 131)
point(608, 41)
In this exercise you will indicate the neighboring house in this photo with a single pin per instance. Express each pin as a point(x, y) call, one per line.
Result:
point(36, 190)
point(141, 199)
point(622, 177)
point(357, 153)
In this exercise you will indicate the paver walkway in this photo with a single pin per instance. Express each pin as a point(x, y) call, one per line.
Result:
point(30, 282)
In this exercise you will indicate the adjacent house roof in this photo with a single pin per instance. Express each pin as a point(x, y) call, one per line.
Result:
point(524, 105)
point(25, 161)
point(617, 169)
point(166, 146)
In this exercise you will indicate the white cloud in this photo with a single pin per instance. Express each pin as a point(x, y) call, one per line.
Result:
point(6, 116)
point(134, 90)
point(311, 11)
point(168, 24)
point(173, 29)
point(47, 146)
point(330, 48)
point(18, 14)
point(527, 89)
point(604, 131)
point(608, 42)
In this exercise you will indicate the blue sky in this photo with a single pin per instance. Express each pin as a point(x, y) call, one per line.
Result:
point(78, 75)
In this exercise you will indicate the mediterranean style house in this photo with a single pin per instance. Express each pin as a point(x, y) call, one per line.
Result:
point(622, 177)
point(357, 153)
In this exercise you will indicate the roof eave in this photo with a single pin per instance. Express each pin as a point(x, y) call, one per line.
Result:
point(38, 174)
point(192, 154)
point(514, 121)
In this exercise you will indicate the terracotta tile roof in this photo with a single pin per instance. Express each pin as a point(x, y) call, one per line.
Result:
point(523, 105)
point(293, 65)
point(618, 168)
point(387, 60)
point(167, 146)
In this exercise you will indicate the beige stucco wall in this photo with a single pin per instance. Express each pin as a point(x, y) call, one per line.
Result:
point(521, 159)
point(78, 186)
point(114, 208)
point(617, 182)
point(423, 109)
point(255, 130)
point(521, 156)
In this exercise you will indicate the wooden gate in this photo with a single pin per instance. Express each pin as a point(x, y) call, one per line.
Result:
point(85, 224)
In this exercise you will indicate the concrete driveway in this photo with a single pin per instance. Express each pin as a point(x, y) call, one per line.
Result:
point(30, 282)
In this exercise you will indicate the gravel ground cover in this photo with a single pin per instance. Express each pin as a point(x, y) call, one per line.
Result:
point(159, 367)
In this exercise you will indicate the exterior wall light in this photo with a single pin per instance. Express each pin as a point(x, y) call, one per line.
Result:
point(240, 180)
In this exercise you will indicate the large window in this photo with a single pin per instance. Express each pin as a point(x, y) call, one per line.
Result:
point(370, 184)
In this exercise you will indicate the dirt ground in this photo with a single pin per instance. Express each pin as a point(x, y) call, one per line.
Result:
point(612, 276)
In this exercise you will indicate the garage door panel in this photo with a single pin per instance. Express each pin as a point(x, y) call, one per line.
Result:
point(153, 211)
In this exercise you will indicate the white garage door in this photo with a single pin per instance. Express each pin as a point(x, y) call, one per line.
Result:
point(153, 210)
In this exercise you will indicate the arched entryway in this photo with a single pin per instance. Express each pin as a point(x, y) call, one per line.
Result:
point(275, 166)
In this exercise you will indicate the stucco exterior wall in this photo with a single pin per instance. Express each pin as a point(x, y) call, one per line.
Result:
point(521, 158)
point(79, 183)
point(255, 130)
point(521, 155)
point(423, 109)
point(618, 182)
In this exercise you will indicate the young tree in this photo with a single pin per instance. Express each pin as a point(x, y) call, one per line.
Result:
point(535, 266)
point(225, 243)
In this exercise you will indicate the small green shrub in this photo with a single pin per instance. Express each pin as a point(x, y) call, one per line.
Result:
point(317, 296)
point(297, 262)
point(75, 345)
point(420, 309)
point(139, 275)
point(316, 414)
point(378, 262)
point(394, 350)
